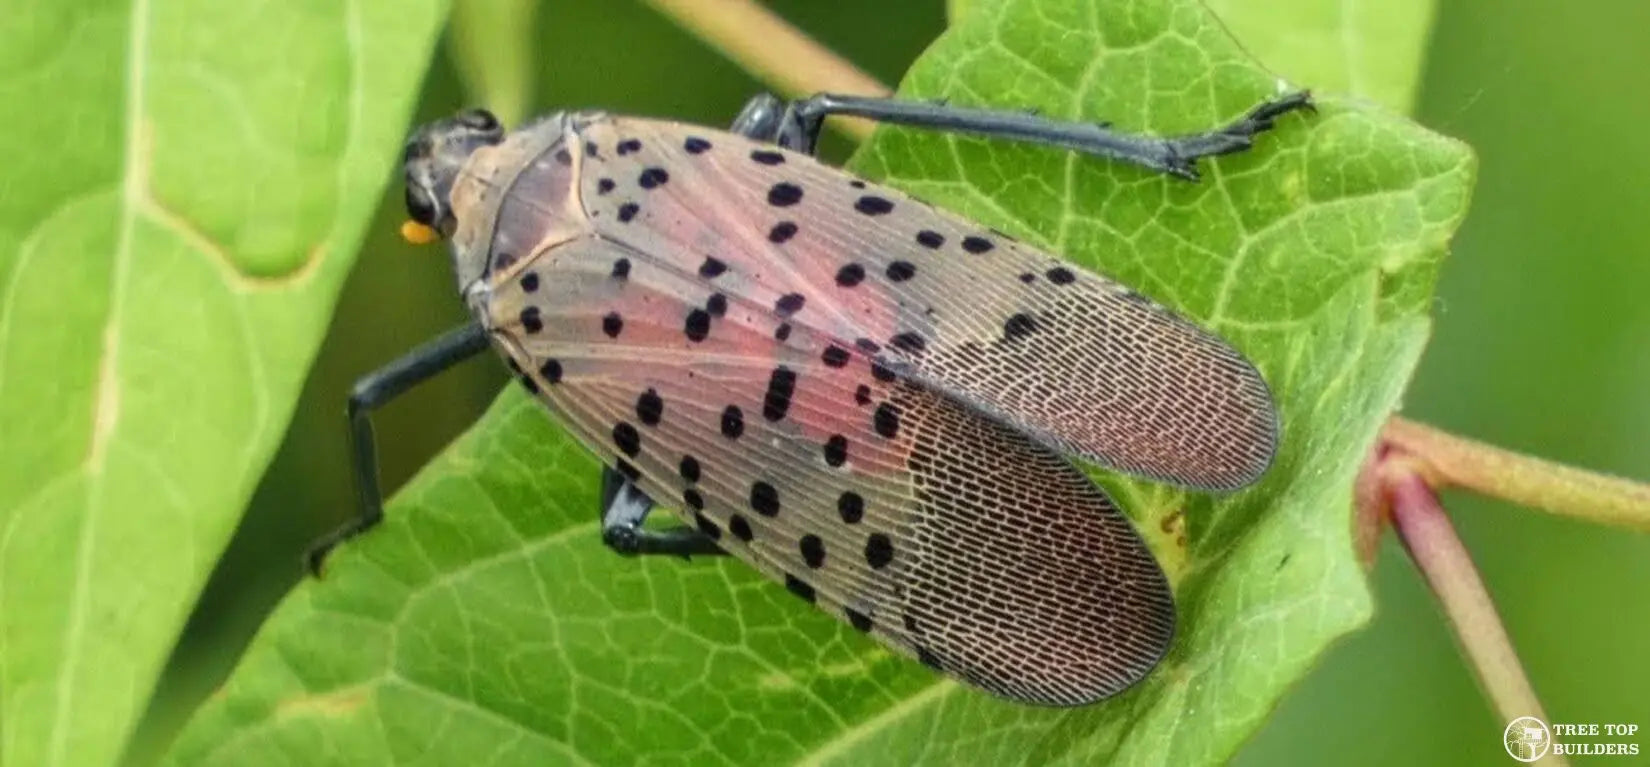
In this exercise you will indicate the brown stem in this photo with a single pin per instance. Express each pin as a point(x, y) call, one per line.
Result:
point(775, 52)
point(1447, 460)
point(1439, 554)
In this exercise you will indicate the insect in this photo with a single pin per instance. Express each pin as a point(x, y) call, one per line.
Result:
point(863, 397)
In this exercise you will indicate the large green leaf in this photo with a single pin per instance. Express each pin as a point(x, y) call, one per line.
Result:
point(485, 622)
point(185, 186)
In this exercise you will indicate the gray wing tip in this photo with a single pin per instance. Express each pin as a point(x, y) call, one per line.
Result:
point(1252, 441)
point(1114, 685)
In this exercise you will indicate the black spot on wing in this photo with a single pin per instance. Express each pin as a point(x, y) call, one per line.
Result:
point(733, 422)
point(531, 319)
point(812, 548)
point(650, 408)
point(697, 325)
point(799, 587)
point(712, 267)
point(834, 356)
point(879, 550)
point(908, 342)
point(1019, 326)
point(764, 499)
point(781, 387)
point(741, 528)
point(782, 232)
point(652, 177)
point(836, 450)
point(789, 304)
point(627, 439)
point(872, 205)
point(885, 420)
point(851, 507)
point(784, 194)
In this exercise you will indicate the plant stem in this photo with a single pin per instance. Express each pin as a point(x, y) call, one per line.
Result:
point(1438, 552)
point(775, 52)
point(1447, 460)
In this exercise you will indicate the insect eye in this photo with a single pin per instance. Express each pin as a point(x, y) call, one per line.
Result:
point(420, 206)
point(479, 119)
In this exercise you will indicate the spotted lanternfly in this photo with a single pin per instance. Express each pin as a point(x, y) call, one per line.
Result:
point(861, 396)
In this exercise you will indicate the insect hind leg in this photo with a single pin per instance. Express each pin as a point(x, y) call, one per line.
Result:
point(1176, 155)
point(761, 118)
point(768, 118)
point(625, 507)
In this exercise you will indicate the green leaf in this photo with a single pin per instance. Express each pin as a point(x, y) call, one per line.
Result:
point(492, 46)
point(1366, 50)
point(485, 621)
point(956, 9)
point(178, 213)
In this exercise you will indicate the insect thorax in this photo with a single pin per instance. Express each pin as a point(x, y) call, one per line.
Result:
point(516, 199)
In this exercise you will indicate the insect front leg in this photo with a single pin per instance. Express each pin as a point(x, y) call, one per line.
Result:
point(372, 392)
point(1175, 155)
point(625, 507)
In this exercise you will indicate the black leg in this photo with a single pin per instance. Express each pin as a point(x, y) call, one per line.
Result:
point(761, 118)
point(1175, 155)
point(372, 391)
point(625, 507)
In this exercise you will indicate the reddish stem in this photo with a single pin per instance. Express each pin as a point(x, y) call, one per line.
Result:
point(1443, 560)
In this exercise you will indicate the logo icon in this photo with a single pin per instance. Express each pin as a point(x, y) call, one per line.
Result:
point(1527, 739)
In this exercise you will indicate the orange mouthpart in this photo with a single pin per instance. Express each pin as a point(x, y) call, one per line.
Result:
point(418, 234)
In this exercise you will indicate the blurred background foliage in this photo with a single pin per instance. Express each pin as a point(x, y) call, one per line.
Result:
point(1542, 345)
